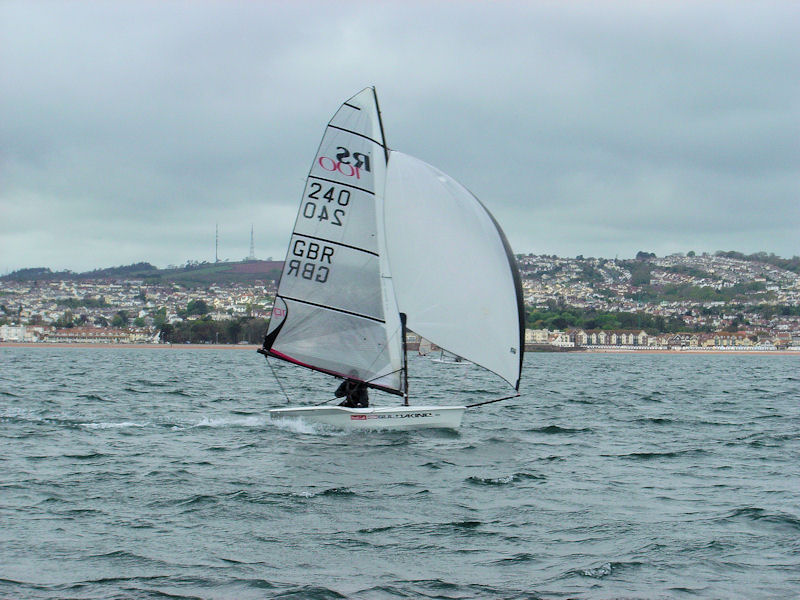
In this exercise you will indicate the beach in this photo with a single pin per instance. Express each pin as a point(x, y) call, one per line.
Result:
point(698, 351)
point(130, 346)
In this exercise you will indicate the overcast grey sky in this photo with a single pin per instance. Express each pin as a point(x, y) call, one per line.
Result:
point(129, 129)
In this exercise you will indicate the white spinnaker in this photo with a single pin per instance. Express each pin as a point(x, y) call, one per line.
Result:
point(451, 271)
point(335, 310)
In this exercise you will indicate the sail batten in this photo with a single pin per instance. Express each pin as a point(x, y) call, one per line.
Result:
point(332, 308)
point(347, 185)
point(330, 241)
point(366, 137)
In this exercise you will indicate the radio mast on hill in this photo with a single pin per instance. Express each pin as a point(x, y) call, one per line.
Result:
point(216, 245)
point(252, 246)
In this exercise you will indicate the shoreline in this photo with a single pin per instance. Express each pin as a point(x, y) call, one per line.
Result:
point(625, 351)
point(131, 346)
point(698, 352)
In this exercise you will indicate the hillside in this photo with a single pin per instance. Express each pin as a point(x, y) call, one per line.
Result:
point(192, 274)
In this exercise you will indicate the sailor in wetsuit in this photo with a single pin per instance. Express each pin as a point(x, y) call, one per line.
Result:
point(355, 393)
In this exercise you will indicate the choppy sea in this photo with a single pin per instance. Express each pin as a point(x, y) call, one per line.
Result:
point(141, 473)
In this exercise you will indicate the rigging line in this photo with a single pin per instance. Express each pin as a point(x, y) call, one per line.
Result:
point(382, 353)
point(384, 375)
point(491, 401)
point(280, 385)
point(367, 381)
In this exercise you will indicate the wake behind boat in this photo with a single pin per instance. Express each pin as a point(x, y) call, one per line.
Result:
point(359, 274)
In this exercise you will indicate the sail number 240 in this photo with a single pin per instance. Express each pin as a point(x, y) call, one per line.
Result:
point(318, 206)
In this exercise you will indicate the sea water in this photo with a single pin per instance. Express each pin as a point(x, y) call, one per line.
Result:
point(143, 473)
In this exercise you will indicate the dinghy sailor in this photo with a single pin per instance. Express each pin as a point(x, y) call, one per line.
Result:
point(355, 393)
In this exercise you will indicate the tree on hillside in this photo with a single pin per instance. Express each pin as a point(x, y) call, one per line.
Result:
point(65, 320)
point(197, 307)
point(120, 319)
point(641, 274)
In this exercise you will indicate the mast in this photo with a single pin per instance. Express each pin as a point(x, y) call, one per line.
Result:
point(403, 331)
point(380, 122)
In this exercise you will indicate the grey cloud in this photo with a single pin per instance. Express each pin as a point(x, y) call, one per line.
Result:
point(588, 128)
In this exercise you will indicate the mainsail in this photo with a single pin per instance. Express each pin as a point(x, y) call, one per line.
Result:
point(335, 309)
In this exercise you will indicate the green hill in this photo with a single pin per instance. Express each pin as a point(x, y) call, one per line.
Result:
point(191, 274)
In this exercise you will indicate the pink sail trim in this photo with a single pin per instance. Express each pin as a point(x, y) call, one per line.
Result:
point(288, 358)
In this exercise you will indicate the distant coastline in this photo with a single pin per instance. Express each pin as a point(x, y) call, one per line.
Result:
point(131, 346)
point(538, 349)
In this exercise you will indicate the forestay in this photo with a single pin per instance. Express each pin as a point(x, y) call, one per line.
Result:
point(453, 270)
point(335, 310)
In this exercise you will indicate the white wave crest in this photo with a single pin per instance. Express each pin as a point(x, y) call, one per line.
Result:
point(231, 422)
point(301, 426)
point(122, 425)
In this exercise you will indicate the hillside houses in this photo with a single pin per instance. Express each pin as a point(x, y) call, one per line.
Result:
point(698, 293)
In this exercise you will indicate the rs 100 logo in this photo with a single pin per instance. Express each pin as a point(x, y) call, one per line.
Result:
point(347, 163)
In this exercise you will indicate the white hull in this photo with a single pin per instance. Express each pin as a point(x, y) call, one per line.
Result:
point(397, 417)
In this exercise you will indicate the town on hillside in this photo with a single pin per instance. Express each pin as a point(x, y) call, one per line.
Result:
point(687, 301)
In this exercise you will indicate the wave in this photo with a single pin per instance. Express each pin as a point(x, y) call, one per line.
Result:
point(658, 455)
point(655, 420)
point(598, 572)
point(231, 422)
point(308, 592)
point(439, 588)
point(556, 430)
point(606, 569)
point(465, 524)
point(424, 529)
point(304, 427)
point(505, 480)
point(182, 393)
point(134, 390)
point(92, 396)
point(756, 514)
point(521, 557)
point(337, 491)
point(437, 464)
point(254, 498)
point(122, 425)
point(88, 456)
point(124, 556)
point(196, 500)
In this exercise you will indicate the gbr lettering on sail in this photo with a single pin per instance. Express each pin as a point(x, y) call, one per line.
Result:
point(326, 203)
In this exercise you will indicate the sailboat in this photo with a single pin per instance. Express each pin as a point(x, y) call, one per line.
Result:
point(448, 358)
point(360, 271)
point(425, 347)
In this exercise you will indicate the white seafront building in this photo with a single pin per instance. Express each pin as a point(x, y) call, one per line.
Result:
point(20, 333)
